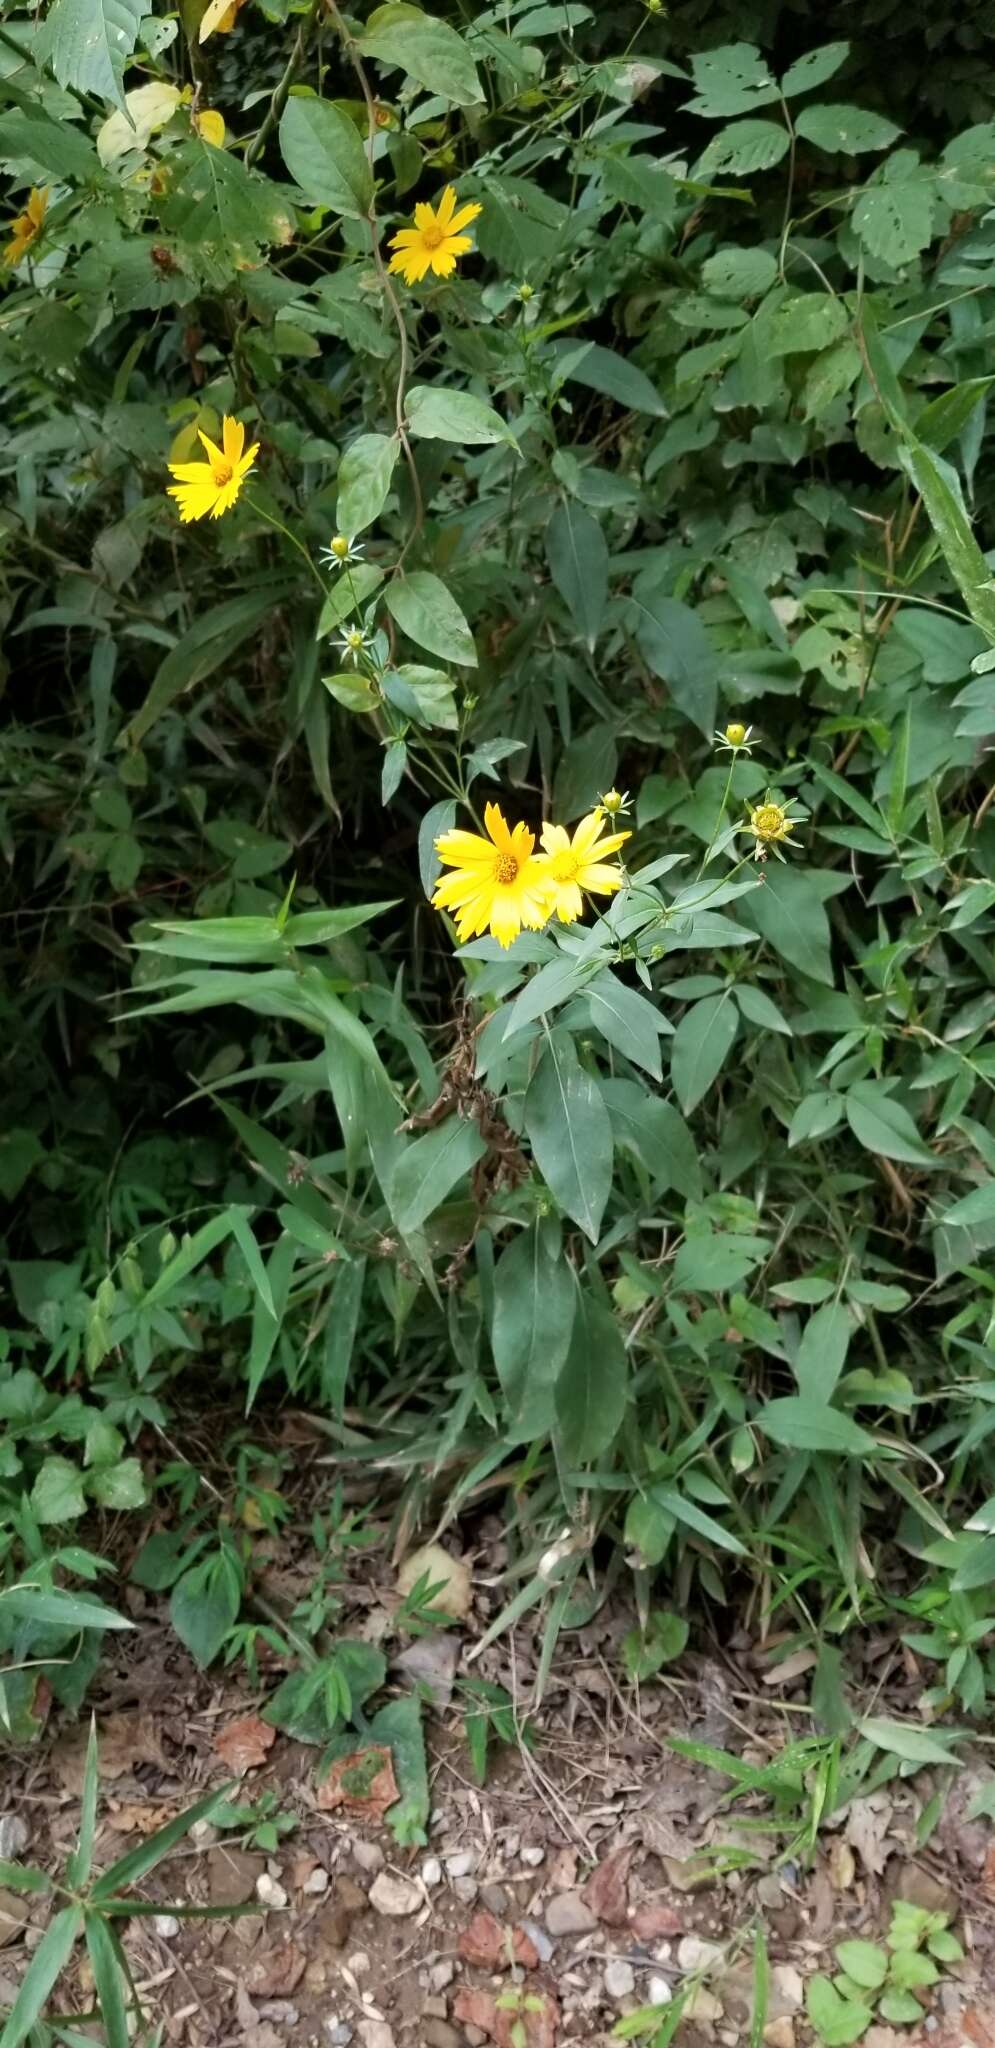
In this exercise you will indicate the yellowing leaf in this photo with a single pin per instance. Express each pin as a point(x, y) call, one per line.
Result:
point(211, 127)
point(213, 18)
point(149, 107)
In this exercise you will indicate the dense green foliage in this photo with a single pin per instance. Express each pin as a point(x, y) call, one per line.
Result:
point(672, 1227)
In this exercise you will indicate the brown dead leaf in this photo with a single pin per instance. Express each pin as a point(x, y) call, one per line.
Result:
point(276, 1972)
point(537, 2020)
point(139, 1819)
point(867, 1826)
point(988, 1874)
point(842, 1865)
point(13, 1914)
point(493, 1947)
point(243, 1745)
point(363, 1782)
point(791, 1668)
point(655, 1921)
point(476, 2009)
point(563, 1871)
point(124, 1740)
point(607, 1888)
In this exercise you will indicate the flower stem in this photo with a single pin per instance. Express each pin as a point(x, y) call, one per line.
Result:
point(271, 520)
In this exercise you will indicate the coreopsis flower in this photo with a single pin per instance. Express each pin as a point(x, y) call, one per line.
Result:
point(435, 241)
point(498, 884)
point(769, 823)
point(204, 490)
point(27, 227)
point(573, 865)
point(340, 551)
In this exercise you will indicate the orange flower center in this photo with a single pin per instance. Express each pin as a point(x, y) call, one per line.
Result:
point(505, 868)
point(222, 471)
point(433, 236)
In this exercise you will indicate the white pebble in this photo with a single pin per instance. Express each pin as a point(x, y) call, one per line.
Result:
point(620, 1978)
point(461, 1864)
point(431, 1871)
point(658, 1991)
point(533, 1855)
point(268, 1892)
point(317, 1882)
point(166, 1925)
point(13, 1836)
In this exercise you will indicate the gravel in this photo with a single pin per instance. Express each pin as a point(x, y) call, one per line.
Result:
point(14, 1836)
point(396, 1897)
point(620, 1978)
point(567, 1913)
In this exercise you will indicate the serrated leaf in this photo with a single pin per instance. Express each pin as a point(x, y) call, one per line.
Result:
point(846, 129)
point(893, 216)
point(440, 412)
point(743, 148)
point(428, 50)
point(323, 152)
point(813, 69)
point(87, 43)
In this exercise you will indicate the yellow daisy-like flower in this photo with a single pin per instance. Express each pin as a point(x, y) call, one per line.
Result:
point(499, 884)
point(27, 227)
point(769, 822)
point(203, 490)
point(435, 241)
point(573, 865)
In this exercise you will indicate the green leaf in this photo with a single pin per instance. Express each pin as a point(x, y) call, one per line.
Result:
point(535, 1296)
point(790, 913)
point(674, 644)
point(428, 50)
point(864, 1962)
point(206, 645)
point(977, 1207)
point(901, 2009)
point(204, 1605)
point(880, 1124)
point(627, 1020)
point(578, 564)
point(615, 376)
point(939, 488)
point(658, 1135)
point(109, 1979)
point(731, 80)
point(440, 412)
point(430, 1168)
point(20, 1152)
point(45, 148)
point(423, 608)
point(693, 1517)
point(57, 1494)
point(814, 68)
point(46, 1965)
point(119, 1486)
point(837, 2021)
point(592, 1389)
point(569, 1130)
point(809, 320)
point(743, 148)
point(644, 1654)
point(87, 43)
point(893, 216)
point(803, 1423)
point(399, 1725)
point(822, 1351)
point(324, 154)
point(59, 1609)
point(914, 1745)
point(700, 1046)
point(81, 1861)
point(136, 1863)
point(364, 479)
point(943, 420)
point(739, 274)
point(845, 129)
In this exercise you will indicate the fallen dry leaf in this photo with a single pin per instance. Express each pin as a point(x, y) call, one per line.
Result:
point(363, 1782)
point(276, 1972)
point(139, 1819)
point(449, 1575)
point(867, 1826)
point(562, 1873)
point(842, 1865)
point(537, 2018)
point(493, 1947)
point(124, 1740)
point(244, 1744)
point(607, 1888)
point(13, 1914)
point(650, 1923)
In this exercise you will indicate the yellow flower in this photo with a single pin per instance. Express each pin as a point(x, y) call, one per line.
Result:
point(498, 883)
point(735, 734)
point(579, 863)
point(27, 227)
point(211, 128)
point(769, 822)
point(614, 803)
point(206, 489)
point(435, 241)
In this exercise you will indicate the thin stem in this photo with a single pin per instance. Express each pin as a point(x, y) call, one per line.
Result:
point(385, 282)
point(271, 520)
point(718, 821)
point(281, 93)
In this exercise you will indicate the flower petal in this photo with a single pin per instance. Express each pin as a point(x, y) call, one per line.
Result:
point(555, 838)
point(497, 826)
point(232, 437)
point(463, 218)
point(601, 879)
point(445, 209)
point(216, 454)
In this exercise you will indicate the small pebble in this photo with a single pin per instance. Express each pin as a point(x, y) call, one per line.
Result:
point(466, 1890)
point(620, 1978)
point(281, 2010)
point(495, 1898)
point(695, 1954)
point(433, 2008)
point(317, 1883)
point(359, 1963)
point(268, 1892)
point(337, 2033)
point(368, 1855)
point(539, 1938)
point(658, 1991)
point(397, 1897)
point(376, 2034)
point(439, 2034)
point(431, 1871)
point(13, 1836)
point(461, 1864)
point(533, 1855)
point(442, 1973)
point(166, 1926)
point(204, 1833)
point(568, 1913)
